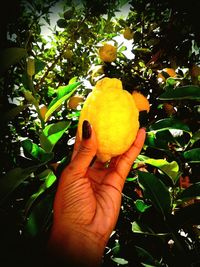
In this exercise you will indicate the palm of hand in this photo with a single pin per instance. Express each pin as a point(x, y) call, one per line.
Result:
point(88, 198)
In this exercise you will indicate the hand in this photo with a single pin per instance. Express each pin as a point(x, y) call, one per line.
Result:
point(88, 200)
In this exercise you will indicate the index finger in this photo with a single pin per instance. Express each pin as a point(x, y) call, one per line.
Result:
point(76, 145)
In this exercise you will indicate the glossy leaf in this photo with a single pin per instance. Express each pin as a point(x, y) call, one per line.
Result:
point(171, 169)
point(36, 152)
point(155, 190)
point(11, 56)
point(12, 179)
point(184, 92)
point(40, 218)
point(49, 180)
point(169, 123)
point(193, 155)
point(63, 93)
point(52, 133)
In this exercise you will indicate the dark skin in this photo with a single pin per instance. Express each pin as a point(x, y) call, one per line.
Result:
point(87, 202)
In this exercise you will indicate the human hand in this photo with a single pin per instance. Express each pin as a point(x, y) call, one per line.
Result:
point(88, 200)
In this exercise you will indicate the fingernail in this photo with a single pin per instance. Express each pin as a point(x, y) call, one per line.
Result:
point(86, 130)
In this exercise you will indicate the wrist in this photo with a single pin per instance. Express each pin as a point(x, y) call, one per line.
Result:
point(76, 248)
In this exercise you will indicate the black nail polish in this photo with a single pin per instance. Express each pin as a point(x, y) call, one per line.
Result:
point(86, 130)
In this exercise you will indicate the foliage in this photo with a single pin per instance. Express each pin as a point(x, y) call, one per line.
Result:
point(159, 219)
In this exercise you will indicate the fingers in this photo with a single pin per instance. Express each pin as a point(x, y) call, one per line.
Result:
point(76, 145)
point(84, 153)
point(125, 162)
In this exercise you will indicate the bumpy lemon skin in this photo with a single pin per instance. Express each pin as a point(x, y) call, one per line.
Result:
point(108, 53)
point(114, 117)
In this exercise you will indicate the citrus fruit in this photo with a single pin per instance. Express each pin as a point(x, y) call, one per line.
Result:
point(166, 72)
point(128, 33)
point(68, 53)
point(141, 101)
point(74, 101)
point(43, 110)
point(108, 53)
point(113, 114)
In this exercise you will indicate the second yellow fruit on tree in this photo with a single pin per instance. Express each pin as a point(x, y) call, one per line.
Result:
point(108, 53)
point(113, 114)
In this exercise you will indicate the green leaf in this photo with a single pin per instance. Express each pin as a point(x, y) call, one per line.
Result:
point(39, 65)
point(36, 152)
point(50, 179)
point(141, 205)
point(12, 179)
point(169, 123)
point(119, 261)
point(171, 169)
point(62, 23)
point(52, 133)
point(155, 190)
point(63, 93)
point(195, 137)
point(193, 191)
point(193, 155)
point(40, 218)
point(11, 56)
point(146, 258)
point(140, 228)
point(190, 92)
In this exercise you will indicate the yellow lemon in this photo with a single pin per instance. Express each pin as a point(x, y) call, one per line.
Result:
point(113, 115)
point(128, 33)
point(141, 101)
point(108, 53)
point(74, 101)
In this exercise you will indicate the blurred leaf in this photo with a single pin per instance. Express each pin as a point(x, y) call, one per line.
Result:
point(37, 152)
point(140, 228)
point(63, 93)
point(193, 155)
point(12, 113)
point(141, 205)
point(62, 23)
point(52, 133)
point(195, 137)
point(155, 190)
point(183, 92)
point(171, 169)
point(11, 56)
point(169, 123)
point(12, 179)
point(146, 258)
point(39, 65)
point(191, 192)
point(50, 179)
point(119, 261)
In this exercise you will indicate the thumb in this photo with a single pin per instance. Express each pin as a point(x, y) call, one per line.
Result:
point(87, 148)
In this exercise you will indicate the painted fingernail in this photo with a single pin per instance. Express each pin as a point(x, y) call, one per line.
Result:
point(86, 130)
